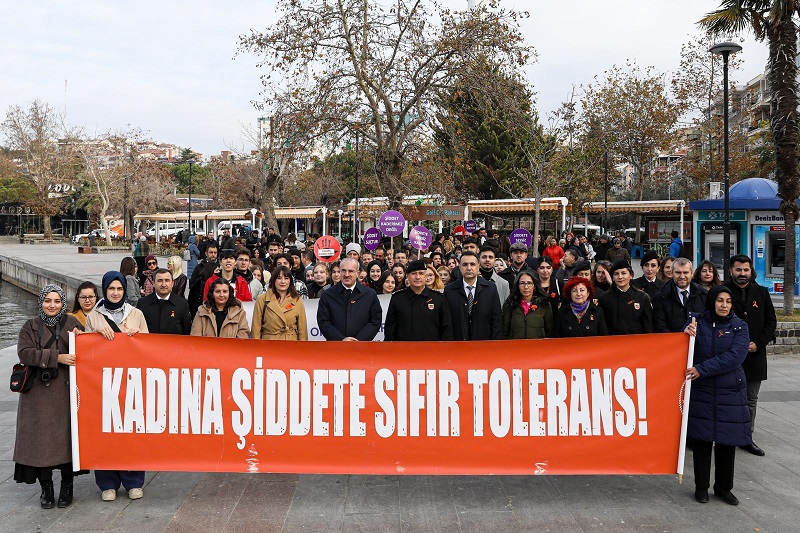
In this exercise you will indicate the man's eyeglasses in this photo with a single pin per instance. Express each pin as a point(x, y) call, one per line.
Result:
point(86, 298)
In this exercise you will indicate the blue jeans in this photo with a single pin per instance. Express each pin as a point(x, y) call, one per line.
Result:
point(111, 479)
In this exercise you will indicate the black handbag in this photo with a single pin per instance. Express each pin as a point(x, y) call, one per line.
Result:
point(22, 377)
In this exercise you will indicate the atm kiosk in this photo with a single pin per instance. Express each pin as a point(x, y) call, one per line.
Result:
point(757, 230)
point(712, 243)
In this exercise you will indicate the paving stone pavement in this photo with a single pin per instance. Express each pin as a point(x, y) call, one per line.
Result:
point(768, 487)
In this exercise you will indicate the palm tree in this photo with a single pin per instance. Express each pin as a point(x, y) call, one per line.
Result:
point(773, 21)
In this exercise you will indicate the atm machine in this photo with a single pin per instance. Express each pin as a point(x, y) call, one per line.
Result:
point(712, 242)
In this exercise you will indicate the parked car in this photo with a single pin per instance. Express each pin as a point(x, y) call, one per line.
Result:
point(98, 234)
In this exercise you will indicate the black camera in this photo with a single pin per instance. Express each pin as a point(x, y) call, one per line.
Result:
point(46, 374)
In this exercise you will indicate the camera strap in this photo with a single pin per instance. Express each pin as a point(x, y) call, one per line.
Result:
point(50, 342)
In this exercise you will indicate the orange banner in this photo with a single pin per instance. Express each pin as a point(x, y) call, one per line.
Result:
point(600, 405)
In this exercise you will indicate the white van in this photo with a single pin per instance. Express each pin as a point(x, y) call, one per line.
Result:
point(234, 226)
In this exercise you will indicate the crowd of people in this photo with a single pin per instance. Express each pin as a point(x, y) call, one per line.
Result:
point(479, 287)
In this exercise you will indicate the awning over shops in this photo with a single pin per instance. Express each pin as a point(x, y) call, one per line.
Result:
point(519, 206)
point(217, 214)
point(645, 206)
point(298, 212)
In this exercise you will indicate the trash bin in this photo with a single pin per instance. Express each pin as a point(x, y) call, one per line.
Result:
point(637, 251)
point(91, 240)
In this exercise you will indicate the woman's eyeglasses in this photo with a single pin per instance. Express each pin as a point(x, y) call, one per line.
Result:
point(151, 263)
point(86, 298)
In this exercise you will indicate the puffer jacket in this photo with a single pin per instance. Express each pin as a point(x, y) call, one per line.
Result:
point(718, 406)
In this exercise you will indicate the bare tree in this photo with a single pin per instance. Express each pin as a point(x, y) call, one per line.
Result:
point(43, 150)
point(354, 67)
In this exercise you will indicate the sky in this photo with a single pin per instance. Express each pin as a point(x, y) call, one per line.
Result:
point(170, 68)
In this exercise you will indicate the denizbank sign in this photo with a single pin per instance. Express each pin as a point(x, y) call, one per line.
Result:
point(767, 218)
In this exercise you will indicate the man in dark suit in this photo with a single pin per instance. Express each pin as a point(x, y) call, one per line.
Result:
point(164, 311)
point(677, 299)
point(648, 281)
point(752, 303)
point(474, 305)
point(349, 311)
point(418, 313)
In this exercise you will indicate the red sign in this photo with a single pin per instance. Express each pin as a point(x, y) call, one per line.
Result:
point(777, 228)
point(327, 249)
point(778, 286)
point(459, 231)
point(169, 402)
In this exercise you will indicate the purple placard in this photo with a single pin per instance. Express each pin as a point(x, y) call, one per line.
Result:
point(521, 235)
point(372, 238)
point(420, 237)
point(471, 226)
point(391, 223)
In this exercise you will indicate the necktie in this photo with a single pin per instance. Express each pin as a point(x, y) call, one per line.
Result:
point(470, 300)
point(347, 294)
point(684, 297)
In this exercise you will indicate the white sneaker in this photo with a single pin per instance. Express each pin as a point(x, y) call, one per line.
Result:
point(109, 495)
point(135, 494)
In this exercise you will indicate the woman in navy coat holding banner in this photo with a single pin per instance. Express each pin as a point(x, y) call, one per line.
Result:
point(718, 412)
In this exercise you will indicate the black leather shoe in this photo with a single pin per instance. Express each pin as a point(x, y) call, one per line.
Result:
point(701, 496)
point(754, 449)
point(727, 496)
point(47, 499)
point(65, 495)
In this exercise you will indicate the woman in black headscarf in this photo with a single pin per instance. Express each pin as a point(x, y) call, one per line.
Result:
point(113, 315)
point(43, 440)
point(718, 413)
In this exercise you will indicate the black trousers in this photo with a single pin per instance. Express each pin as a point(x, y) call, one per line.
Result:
point(723, 465)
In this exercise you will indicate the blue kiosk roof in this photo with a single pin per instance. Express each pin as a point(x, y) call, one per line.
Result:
point(752, 193)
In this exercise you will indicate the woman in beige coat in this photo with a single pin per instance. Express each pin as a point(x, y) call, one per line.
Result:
point(221, 315)
point(279, 313)
point(113, 314)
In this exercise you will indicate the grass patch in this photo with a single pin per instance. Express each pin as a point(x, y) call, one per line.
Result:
point(794, 317)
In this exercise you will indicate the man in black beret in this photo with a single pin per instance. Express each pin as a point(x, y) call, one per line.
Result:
point(418, 313)
point(648, 281)
point(627, 310)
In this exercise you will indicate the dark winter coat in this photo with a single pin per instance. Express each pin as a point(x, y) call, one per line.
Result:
point(418, 317)
point(718, 403)
point(650, 288)
point(171, 317)
point(537, 324)
point(669, 314)
point(592, 324)
point(627, 313)
point(486, 321)
point(358, 316)
point(43, 416)
point(754, 306)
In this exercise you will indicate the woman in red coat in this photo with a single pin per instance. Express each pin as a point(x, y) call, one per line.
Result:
point(554, 252)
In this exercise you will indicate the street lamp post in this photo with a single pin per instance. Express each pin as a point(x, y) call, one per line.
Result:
point(355, 211)
point(725, 50)
point(190, 196)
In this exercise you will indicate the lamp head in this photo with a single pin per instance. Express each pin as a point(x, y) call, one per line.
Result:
point(725, 48)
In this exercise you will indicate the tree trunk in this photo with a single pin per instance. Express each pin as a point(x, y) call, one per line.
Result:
point(789, 218)
point(782, 77)
point(537, 215)
point(47, 227)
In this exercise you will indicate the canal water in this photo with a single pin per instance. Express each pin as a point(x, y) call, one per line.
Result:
point(16, 306)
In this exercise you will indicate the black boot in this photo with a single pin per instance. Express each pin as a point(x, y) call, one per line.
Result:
point(47, 499)
point(65, 494)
